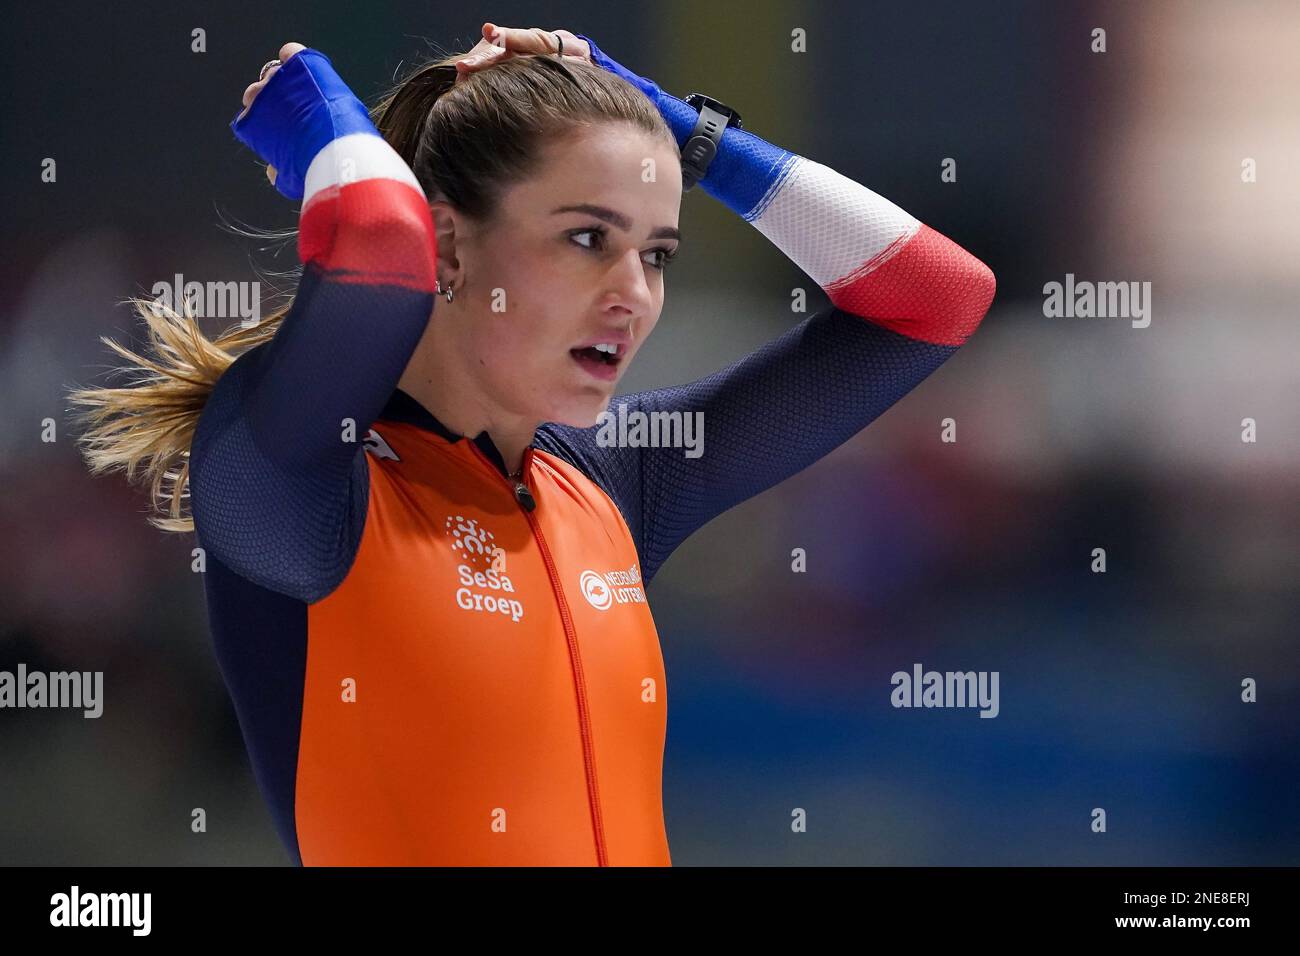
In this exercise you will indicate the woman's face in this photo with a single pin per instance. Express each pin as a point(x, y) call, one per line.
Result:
point(574, 260)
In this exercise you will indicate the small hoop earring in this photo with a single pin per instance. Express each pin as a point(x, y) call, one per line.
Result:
point(437, 288)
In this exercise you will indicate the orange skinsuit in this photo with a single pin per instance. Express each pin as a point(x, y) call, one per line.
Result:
point(525, 704)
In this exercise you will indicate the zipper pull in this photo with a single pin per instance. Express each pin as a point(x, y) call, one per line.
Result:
point(524, 496)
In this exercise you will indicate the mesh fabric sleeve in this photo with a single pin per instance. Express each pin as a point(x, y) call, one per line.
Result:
point(765, 418)
point(278, 473)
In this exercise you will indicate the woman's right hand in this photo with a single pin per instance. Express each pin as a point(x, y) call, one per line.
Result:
point(500, 43)
point(251, 91)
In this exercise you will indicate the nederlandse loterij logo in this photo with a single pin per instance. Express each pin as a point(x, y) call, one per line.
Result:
point(596, 591)
point(484, 583)
point(602, 591)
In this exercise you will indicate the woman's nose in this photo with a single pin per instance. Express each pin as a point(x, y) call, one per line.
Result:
point(629, 279)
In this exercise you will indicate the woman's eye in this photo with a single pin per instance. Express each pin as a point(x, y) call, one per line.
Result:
point(664, 256)
point(588, 232)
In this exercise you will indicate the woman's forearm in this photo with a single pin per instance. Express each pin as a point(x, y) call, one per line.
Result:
point(367, 243)
point(277, 468)
point(871, 257)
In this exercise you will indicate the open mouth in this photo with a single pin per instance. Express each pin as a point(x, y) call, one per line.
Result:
point(600, 360)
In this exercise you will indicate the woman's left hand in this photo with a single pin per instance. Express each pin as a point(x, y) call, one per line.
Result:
point(503, 42)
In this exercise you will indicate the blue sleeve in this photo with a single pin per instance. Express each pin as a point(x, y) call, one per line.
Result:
point(746, 167)
point(278, 473)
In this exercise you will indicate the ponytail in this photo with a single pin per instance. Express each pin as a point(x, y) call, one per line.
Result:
point(463, 141)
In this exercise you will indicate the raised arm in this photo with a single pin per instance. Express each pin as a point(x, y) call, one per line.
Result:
point(904, 298)
point(278, 478)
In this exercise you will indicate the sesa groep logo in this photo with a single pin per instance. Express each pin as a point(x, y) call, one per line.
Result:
point(484, 584)
point(604, 590)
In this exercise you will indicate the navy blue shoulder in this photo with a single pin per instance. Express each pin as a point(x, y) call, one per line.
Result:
point(754, 423)
point(289, 528)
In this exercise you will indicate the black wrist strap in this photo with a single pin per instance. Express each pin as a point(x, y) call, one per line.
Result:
point(702, 145)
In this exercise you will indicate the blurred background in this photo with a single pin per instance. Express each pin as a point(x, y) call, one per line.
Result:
point(1119, 690)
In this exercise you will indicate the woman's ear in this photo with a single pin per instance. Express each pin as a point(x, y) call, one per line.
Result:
point(448, 226)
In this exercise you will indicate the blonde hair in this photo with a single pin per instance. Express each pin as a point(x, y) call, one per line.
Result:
point(463, 140)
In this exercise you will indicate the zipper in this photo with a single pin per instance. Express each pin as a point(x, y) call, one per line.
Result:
point(524, 497)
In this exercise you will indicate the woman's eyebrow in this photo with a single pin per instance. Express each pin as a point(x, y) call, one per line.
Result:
point(616, 218)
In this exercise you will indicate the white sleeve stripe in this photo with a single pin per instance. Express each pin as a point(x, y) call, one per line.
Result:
point(829, 225)
point(352, 158)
